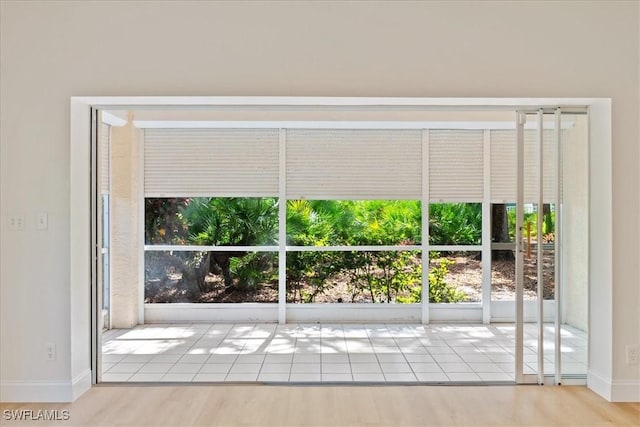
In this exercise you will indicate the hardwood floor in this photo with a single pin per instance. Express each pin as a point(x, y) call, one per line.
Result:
point(271, 405)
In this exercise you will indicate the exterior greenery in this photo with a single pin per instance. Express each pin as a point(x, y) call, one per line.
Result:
point(373, 276)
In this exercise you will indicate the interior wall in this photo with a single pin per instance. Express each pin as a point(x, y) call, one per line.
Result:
point(52, 50)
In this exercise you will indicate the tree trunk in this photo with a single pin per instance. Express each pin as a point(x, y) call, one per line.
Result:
point(500, 231)
point(223, 260)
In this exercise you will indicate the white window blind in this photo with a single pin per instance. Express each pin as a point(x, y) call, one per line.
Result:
point(550, 156)
point(353, 164)
point(211, 162)
point(456, 165)
point(503, 166)
point(104, 138)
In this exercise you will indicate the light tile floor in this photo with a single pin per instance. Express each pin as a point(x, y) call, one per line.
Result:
point(330, 353)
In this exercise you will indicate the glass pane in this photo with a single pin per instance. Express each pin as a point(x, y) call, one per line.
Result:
point(354, 277)
point(106, 293)
point(455, 277)
point(575, 243)
point(503, 259)
point(503, 264)
point(188, 276)
point(220, 221)
point(455, 223)
point(353, 222)
point(548, 242)
point(105, 252)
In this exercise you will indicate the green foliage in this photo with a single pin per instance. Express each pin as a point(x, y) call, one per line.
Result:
point(455, 223)
point(315, 269)
point(228, 221)
point(383, 276)
point(347, 222)
point(254, 268)
point(401, 272)
point(233, 221)
point(163, 221)
point(548, 223)
point(439, 290)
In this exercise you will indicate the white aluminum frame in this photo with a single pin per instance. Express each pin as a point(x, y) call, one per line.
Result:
point(282, 248)
point(486, 230)
point(425, 316)
point(282, 231)
point(540, 246)
point(558, 249)
point(521, 119)
point(141, 225)
point(485, 248)
point(553, 311)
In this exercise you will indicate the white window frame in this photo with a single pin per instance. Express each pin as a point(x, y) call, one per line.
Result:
point(410, 312)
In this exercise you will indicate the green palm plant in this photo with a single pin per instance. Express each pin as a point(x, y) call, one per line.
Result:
point(232, 221)
point(455, 223)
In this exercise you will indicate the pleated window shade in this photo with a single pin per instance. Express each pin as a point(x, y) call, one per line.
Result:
point(104, 153)
point(353, 164)
point(456, 165)
point(211, 162)
point(348, 164)
point(503, 166)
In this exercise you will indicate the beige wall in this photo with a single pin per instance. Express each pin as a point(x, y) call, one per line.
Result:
point(52, 50)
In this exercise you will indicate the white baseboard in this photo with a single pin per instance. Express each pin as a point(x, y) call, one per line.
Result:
point(625, 391)
point(599, 384)
point(45, 391)
point(614, 390)
point(80, 384)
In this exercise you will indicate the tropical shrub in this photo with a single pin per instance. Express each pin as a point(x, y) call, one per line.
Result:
point(439, 290)
point(379, 276)
point(232, 221)
point(455, 223)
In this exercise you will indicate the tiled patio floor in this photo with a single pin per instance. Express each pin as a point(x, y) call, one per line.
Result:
point(329, 353)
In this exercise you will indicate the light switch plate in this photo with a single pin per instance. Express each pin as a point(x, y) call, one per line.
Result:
point(43, 221)
point(16, 222)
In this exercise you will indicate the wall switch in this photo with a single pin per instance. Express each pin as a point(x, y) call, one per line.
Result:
point(51, 351)
point(16, 222)
point(633, 354)
point(43, 221)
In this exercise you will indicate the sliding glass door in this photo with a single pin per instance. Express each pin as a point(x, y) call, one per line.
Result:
point(551, 302)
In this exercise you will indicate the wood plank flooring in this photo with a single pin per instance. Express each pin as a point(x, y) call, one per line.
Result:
point(267, 405)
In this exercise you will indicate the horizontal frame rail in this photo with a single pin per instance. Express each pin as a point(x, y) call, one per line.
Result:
point(200, 248)
point(340, 248)
point(337, 248)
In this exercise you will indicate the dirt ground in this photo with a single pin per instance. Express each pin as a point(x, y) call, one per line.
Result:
point(465, 274)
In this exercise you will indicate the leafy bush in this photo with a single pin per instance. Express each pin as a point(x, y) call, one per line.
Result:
point(163, 221)
point(455, 223)
point(232, 221)
point(227, 221)
point(548, 222)
point(439, 290)
point(385, 276)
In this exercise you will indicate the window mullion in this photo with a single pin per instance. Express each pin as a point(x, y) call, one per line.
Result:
point(282, 227)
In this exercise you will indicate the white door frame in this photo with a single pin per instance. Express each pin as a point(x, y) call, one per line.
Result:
point(600, 194)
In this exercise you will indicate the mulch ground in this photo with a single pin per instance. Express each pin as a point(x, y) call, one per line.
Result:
point(465, 274)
